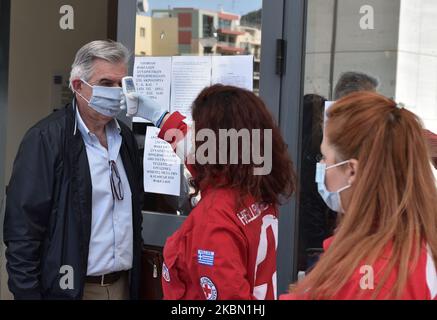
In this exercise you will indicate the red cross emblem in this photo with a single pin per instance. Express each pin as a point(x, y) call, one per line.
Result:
point(208, 288)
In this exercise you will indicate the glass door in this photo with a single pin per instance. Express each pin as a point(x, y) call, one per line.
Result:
point(193, 28)
point(385, 46)
point(262, 28)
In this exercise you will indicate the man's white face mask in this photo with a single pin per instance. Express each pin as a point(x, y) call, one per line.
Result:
point(104, 100)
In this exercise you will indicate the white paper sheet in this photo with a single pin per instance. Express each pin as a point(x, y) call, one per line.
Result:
point(162, 168)
point(175, 82)
point(153, 78)
point(233, 70)
point(190, 75)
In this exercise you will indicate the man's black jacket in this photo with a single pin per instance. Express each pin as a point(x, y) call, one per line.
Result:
point(48, 210)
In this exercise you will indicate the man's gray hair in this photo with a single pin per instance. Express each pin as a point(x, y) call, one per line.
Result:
point(111, 51)
point(354, 81)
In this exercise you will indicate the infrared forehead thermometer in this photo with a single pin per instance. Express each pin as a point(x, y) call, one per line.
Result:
point(128, 85)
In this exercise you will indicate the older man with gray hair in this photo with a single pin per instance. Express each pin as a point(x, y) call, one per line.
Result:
point(73, 213)
point(353, 81)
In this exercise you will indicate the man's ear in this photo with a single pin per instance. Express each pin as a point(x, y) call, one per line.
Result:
point(76, 84)
point(353, 169)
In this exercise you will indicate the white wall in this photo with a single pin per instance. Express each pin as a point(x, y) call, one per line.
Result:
point(370, 51)
point(401, 51)
point(417, 63)
point(318, 46)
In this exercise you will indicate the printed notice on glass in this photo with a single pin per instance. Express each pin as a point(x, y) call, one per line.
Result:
point(234, 71)
point(162, 167)
point(190, 75)
point(153, 78)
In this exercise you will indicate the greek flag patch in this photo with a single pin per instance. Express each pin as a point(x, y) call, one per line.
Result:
point(205, 257)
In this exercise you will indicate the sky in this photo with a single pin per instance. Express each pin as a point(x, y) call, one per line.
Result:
point(232, 6)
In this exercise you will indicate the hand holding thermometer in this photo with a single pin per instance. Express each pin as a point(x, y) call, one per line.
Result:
point(139, 105)
point(131, 96)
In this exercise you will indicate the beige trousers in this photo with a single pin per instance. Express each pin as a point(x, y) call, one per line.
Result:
point(119, 290)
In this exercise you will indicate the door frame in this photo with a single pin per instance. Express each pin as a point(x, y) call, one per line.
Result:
point(5, 16)
point(5, 12)
point(126, 9)
point(290, 121)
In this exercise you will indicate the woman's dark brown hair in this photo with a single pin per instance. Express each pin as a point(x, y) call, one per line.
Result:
point(225, 107)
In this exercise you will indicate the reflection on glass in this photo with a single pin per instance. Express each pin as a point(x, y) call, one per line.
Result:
point(393, 41)
point(198, 28)
point(169, 28)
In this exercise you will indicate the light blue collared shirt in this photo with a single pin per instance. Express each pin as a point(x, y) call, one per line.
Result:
point(111, 242)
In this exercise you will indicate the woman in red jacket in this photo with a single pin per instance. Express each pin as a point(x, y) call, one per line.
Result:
point(226, 248)
point(375, 172)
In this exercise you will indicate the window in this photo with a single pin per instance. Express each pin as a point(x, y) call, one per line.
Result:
point(192, 30)
point(225, 24)
point(208, 26)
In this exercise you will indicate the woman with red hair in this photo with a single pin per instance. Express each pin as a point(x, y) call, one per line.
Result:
point(226, 248)
point(375, 172)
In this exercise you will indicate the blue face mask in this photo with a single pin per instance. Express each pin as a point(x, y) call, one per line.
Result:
point(105, 100)
point(332, 199)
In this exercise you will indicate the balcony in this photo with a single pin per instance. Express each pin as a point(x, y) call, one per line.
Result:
point(229, 47)
point(230, 32)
